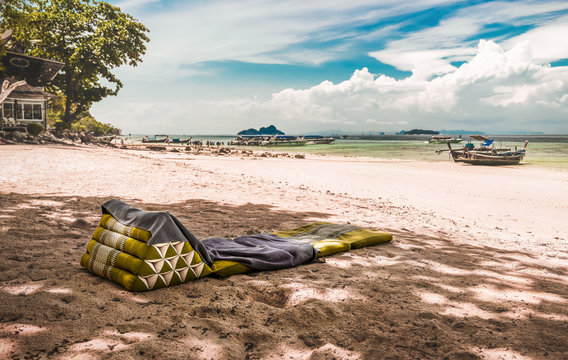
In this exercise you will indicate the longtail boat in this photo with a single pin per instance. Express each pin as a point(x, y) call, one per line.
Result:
point(155, 139)
point(486, 154)
point(443, 139)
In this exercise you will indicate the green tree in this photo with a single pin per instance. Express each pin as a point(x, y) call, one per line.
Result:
point(12, 16)
point(87, 123)
point(92, 38)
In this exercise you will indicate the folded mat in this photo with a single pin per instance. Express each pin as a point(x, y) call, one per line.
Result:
point(331, 239)
point(149, 250)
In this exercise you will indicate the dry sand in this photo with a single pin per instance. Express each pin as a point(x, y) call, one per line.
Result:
point(477, 267)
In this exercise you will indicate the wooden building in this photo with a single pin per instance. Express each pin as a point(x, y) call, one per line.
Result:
point(23, 99)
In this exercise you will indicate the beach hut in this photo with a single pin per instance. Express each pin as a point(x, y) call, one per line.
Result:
point(23, 99)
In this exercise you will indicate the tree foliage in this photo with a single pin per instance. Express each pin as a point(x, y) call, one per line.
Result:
point(12, 16)
point(87, 123)
point(92, 38)
point(84, 122)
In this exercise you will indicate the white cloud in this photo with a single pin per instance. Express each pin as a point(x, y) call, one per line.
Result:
point(499, 84)
point(547, 43)
point(257, 31)
point(431, 51)
point(496, 90)
point(505, 88)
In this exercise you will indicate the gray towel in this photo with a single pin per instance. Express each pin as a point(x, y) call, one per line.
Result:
point(163, 225)
point(259, 252)
point(262, 251)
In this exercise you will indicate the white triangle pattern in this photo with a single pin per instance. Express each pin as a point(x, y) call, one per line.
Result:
point(168, 277)
point(189, 257)
point(151, 280)
point(197, 268)
point(162, 249)
point(158, 264)
point(178, 247)
point(183, 273)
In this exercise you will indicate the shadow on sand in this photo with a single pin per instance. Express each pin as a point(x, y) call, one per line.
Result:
point(417, 297)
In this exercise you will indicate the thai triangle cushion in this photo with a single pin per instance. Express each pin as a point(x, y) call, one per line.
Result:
point(135, 264)
point(130, 255)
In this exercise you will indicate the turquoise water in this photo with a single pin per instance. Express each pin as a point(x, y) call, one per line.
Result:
point(547, 151)
point(549, 154)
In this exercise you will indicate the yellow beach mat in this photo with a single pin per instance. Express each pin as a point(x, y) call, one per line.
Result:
point(121, 253)
point(331, 238)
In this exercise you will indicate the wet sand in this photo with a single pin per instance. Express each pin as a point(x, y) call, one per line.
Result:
point(477, 267)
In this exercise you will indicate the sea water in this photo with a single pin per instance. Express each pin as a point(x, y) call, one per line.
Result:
point(545, 151)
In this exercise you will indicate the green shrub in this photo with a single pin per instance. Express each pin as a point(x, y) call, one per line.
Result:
point(88, 123)
point(59, 126)
point(34, 129)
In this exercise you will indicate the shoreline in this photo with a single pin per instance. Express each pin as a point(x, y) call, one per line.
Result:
point(231, 150)
point(457, 180)
point(477, 267)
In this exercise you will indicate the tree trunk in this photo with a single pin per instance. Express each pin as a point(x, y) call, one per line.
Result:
point(68, 96)
point(78, 111)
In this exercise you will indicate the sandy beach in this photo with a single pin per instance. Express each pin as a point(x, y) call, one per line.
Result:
point(477, 268)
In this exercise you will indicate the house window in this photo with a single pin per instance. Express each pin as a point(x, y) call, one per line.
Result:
point(8, 110)
point(37, 112)
point(18, 109)
point(28, 112)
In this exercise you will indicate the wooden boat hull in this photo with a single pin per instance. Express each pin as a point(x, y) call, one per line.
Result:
point(473, 158)
point(286, 143)
point(320, 142)
point(153, 141)
point(453, 141)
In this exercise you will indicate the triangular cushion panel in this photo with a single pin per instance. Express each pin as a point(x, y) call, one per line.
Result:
point(134, 263)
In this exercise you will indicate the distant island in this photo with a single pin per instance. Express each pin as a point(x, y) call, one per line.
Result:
point(418, 132)
point(270, 130)
point(461, 132)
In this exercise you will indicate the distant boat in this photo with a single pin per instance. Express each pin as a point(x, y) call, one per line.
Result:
point(268, 140)
point(155, 139)
point(317, 139)
point(443, 139)
point(486, 154)
point(249, 140)
point(179, 141)
point(284, 140)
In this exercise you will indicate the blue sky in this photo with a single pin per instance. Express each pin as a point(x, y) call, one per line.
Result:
point(217, 67)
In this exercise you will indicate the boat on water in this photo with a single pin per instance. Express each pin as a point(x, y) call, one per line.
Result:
point(317, 139)
point(284, 140)
point(268, 140)
point(444, 139)
point(155, 139)
point(479, 158)
point(249, 140)
point(179, 141)
point(486, 153)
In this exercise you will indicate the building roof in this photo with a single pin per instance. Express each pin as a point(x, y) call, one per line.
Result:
point(36, 71)
point(27, 91)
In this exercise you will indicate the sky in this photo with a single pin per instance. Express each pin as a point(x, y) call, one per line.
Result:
point(352, 66)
